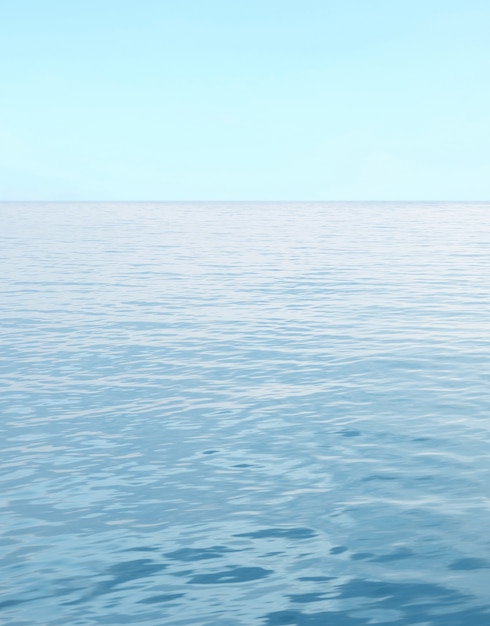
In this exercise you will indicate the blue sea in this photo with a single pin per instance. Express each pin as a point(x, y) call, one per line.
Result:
point(245, 414)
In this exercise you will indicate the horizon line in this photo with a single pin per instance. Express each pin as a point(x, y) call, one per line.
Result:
point(112, 201)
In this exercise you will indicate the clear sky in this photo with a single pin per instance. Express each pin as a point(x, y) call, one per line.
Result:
point(245, 100)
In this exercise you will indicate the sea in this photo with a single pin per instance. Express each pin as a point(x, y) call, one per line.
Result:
point(245, 414)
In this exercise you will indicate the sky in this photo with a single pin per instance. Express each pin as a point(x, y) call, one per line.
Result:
point(244, 100)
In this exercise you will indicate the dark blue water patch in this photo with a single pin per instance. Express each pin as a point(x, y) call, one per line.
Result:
point(165, 597)
point(323, 618)
point(286, 533)
point(141, 549)
point(410, 597)
point(199, 554)
point(121, 573)
point(381, 477)
point(362, 556)
point(399, 554)
point(231, 575)
point(470, 564)
point(5, 604)
point(348, 432)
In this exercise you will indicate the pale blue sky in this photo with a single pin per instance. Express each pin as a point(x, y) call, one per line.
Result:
point(245, 100)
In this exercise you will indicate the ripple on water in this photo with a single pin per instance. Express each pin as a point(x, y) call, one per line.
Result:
point(245, 414)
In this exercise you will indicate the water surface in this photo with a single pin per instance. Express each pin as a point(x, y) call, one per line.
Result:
point(245, 414)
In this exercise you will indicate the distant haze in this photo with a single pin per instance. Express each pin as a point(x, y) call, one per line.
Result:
point(245, 100)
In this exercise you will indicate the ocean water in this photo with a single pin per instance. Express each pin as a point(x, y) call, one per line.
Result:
point(245, 414)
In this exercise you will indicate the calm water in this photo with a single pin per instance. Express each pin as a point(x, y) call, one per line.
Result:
point(245, 414)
